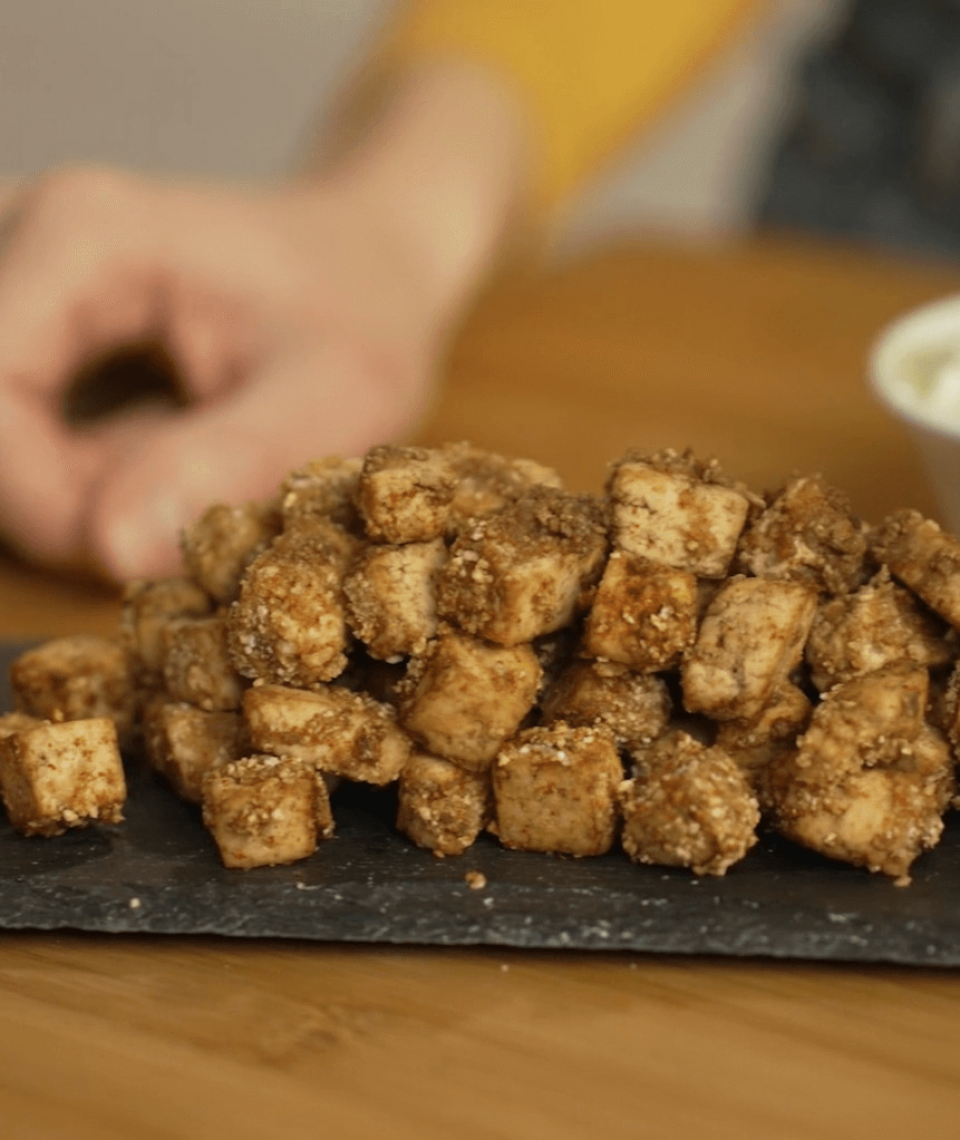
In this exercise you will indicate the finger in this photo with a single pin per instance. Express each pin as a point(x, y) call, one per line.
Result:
point(46, 479)
point(240, 448)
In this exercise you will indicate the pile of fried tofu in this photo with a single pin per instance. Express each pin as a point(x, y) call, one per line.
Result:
point(661, 668)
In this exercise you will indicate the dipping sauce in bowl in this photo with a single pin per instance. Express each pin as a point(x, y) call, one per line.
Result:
point(915, 371)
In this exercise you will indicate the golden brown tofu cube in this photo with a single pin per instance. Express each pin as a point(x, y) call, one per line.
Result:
point(880, 623)
point(753, 744)
point(391, 597)
point(57, 776)
point(147, 609)
point(325, 487)
point(750, 640)
point(555, 790)
point(807, 534)
point(404, 493)
point(77, 678)
point(634, 707)
point(263, 811)
point(463, 698)
point(487, 482)
point(221, 544)
point(440, 806)
point(643, 615)
point(289, 626)
point(183, 743)
point(524, 572)
point(673, 518)
point(17, 722)
point(197, 666)
point(337, 731)
point(688, 806)
point(923, 557)
point(870, 779)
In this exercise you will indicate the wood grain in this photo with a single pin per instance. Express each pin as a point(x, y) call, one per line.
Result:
point(755, 354)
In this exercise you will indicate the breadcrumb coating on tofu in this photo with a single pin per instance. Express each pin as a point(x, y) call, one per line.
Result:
point(324, 488)
point(391, 597)
point(264, 811)
point(673, 511)
point(222, 543)
point(464, 697)
point(870, 779)
point(643, 614)
point(753, 744)
point(440, 806)
point(487, 482)
point(807, 534)
point(634, 707)
point(878, 624)
point(525, 571)
point(75, 678)
point(687, 805)
point(147, 608)
point(404, 493)
point(923, 557)
point(288, 625)
point(751, 639)
point(335, 730)
point(555, 790)
point(54, 777)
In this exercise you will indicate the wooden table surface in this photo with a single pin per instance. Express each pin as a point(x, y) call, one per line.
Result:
point(756, 355)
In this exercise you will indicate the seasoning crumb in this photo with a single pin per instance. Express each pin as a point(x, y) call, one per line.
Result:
point(475, 880)
point(134, 904)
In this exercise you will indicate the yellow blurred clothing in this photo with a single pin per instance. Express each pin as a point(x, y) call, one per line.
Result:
point(589, 74)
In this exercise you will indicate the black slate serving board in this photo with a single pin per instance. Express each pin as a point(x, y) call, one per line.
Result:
point(158, 872)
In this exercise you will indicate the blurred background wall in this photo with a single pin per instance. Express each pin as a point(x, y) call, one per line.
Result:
point(233, 88)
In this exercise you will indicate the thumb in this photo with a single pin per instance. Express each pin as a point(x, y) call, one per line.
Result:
point(238, 448)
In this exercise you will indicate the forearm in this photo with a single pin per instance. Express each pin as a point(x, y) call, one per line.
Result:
point(442, 157)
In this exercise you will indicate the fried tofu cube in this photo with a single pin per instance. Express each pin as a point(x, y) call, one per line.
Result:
point(17, 722)
point(288, 625)
point(524, 572)
point(197, 666)
point(870, 779)
point(404, 493)
point(751, 638)
point(668, 515)
point(77, 678)
point(880, 623)
point(555, 790)
point(440, 806)
point(753, 744)
point(263, 811)
point(634, 707)
point(463, 698)
point(807, 534)
point(183, 743)
point(326, 487)
point(147, 609)
point(643, 614)
point(391, 597)
point(688, 806)
point(487, 482)
point(57, 776)
point(337, 731)
point(923, 557)
point(221, 544)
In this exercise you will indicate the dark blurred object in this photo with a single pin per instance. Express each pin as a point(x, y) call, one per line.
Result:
point(871, 149)
point(137, 377)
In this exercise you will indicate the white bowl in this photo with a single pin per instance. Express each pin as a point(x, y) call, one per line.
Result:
point(905, 364)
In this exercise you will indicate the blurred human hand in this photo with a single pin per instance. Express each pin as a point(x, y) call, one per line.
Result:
point(294, 317)
point(303, 319)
